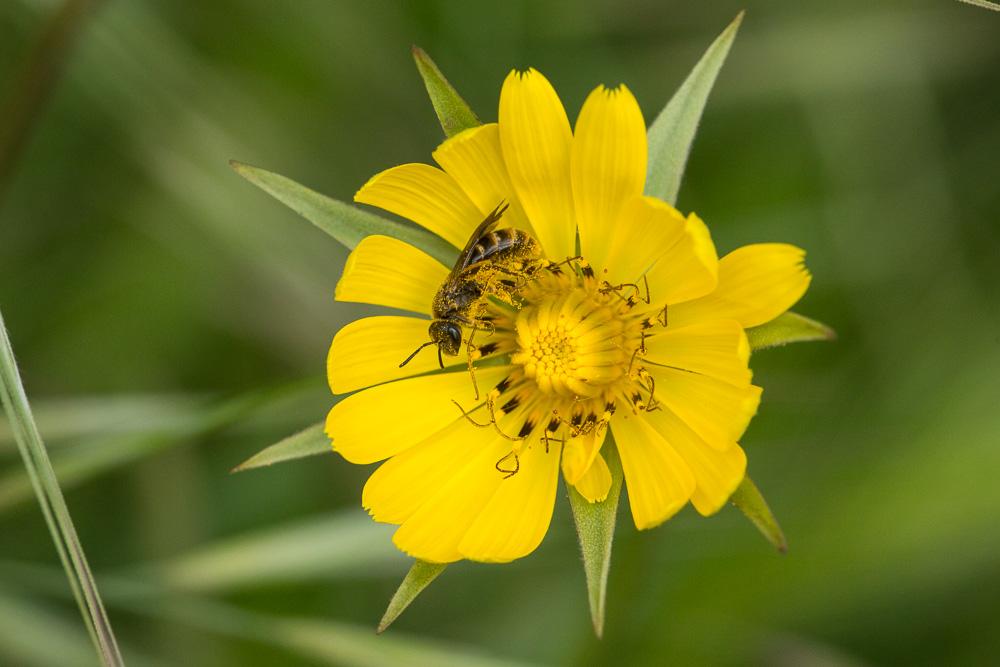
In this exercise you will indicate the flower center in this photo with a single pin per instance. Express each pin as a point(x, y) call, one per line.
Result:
point(577, 346)
point(574, 339)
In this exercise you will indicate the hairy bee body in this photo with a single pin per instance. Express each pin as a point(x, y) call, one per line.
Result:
point(503, 246)
point(491, 268)
point(491, 264)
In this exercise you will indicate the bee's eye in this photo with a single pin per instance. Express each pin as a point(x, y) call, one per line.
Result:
point(455, 334)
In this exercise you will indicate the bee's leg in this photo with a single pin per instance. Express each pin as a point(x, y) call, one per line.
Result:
point(503, 285)
point(469, 349)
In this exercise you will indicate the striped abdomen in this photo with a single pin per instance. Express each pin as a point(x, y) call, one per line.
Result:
point(501, 245)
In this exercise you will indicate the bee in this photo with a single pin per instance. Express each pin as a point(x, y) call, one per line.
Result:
point(493, 263)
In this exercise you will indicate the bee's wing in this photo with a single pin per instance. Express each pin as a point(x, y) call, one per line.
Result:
point(485, 227)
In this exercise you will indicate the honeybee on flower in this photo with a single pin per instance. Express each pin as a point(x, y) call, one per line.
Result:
point(632, 338)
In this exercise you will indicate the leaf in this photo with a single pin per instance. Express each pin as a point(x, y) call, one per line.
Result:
point(308, 442)
point(53, 505)
point(344, 222)
point(788, 328)
point(346, 544)
point(420, 576)
point(749, 501)
point(452, 111)
point(672, 133)
point(595, 526)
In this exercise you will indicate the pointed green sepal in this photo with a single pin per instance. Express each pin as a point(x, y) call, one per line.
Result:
point(672, 133)
point(595, 525)
point(344, 222)
point(421, 574)
point(307, 442)
point(749, 501)
point(452, 111)
point(788, 328)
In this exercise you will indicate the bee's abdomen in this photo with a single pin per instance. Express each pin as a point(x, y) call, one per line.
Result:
point(501, 244)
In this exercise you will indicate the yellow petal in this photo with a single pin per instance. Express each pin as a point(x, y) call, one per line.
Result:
point(368, 351)
point(515, 520)
point(535, 138)
point(579, 453)
point(474, 159)
point(716, 473)
point(388, 272)
point(608, 163)
point(718, 349)
point(402, 484)
point(756, 284)
point(435, 530)
point(427, 196)
point(382, 421)
point(689, 269)
point(645, 230)
point(595, 484)
point(659, 482)
point(717, 411)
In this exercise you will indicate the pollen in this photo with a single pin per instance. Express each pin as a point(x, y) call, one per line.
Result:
point(577, 347)
point(574, 340)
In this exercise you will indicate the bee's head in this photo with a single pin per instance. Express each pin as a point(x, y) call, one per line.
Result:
point(447, 335)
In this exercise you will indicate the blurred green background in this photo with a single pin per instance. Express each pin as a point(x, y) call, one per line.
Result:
point(171, 320)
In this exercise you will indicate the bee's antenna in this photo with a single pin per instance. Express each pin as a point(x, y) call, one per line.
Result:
point(410, 358)
point(440, 360)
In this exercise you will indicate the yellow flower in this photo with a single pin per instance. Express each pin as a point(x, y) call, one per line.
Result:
point(642, 337)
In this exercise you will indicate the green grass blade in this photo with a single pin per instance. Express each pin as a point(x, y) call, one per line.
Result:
point(985, 4)
point(672, 133)
point(419, 577)
point(325, 642)
point(750, 501)
point(307, 442)
point(346, 545)
point(85, 461)
point(788, 328)
point(50, 498)
point(595, 526)
point(62, 420)
point(452, 111)
point(33, 634)
point(344, 222)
